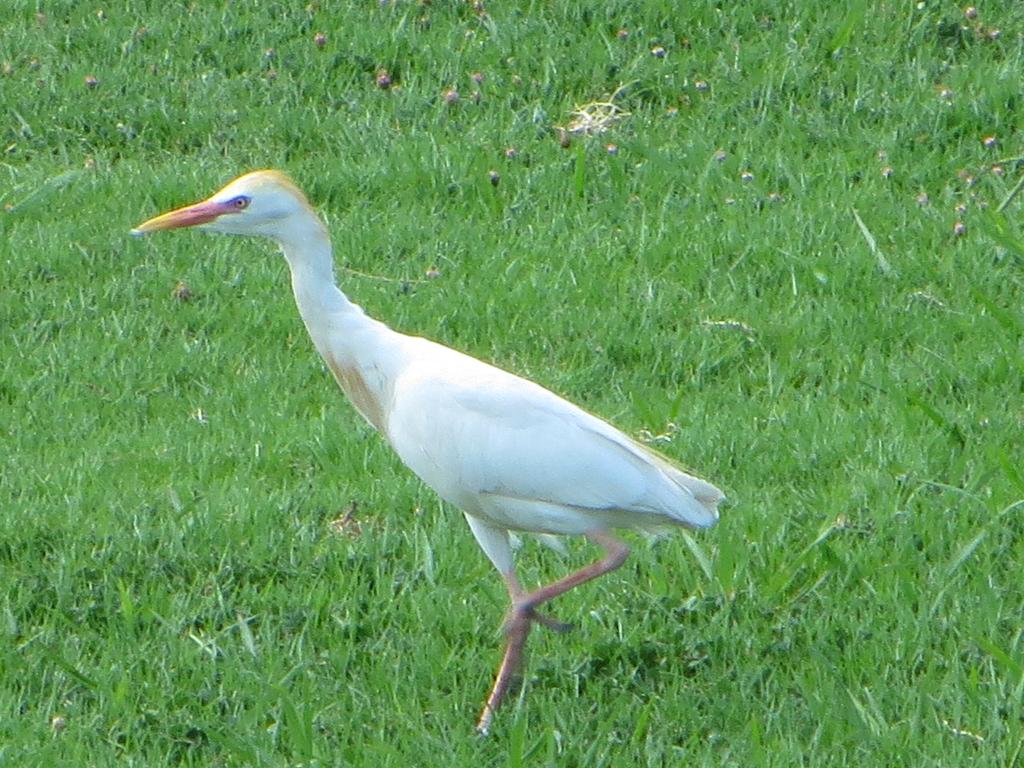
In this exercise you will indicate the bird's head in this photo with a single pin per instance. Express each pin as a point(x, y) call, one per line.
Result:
point(263, 203)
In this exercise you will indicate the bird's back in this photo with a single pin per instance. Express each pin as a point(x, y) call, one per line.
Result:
point(513, 453)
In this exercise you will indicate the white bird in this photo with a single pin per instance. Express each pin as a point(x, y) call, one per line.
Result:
point(509, 453)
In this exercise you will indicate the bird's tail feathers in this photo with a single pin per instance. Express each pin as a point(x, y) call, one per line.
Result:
point(702, 512)
point(707, 496)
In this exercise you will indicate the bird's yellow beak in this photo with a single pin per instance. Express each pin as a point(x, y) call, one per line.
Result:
point(189, 216)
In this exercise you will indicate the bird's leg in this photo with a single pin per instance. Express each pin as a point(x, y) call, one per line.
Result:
point(616, 553)
point(523, 614)
point(517, 629)
point(517, 595)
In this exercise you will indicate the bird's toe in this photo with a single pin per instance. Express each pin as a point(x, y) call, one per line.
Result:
point(552, 623)
point(524, 613)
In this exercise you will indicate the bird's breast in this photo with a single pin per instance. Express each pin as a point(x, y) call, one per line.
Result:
point(353, 382)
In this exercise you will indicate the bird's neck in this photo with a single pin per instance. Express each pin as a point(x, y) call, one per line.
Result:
point(361, 352)
point(307, 249)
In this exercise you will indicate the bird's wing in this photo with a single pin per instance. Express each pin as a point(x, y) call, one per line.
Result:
point(473, 431)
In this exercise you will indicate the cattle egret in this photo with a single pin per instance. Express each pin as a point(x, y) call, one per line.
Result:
point(509, 453)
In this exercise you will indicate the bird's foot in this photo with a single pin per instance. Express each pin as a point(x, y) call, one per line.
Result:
point(552, 623)
point(510, 673)
point(520, 619)
point(483, 725)
point(520, 612)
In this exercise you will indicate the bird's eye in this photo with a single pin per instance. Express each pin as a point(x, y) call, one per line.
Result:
point(240, 203)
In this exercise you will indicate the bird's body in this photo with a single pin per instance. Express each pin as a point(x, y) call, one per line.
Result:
point(510, 454)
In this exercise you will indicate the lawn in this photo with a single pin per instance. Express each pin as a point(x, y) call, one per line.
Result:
point(794, 262)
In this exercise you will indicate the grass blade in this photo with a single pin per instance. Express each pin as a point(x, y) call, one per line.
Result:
point(936, 418)
point(1013, 193)
point(45, 190)
point(298, 726)
point(580, 169)
point(1002, 657)
point(854, 18)
point(517, 742)
point(967, 550)
point(53, 655)
point(245, 631)
point(1005, 318)
point(997, 228)
point(887, 268)
point(785, 576)
point(1012, 471)
point(700, 556)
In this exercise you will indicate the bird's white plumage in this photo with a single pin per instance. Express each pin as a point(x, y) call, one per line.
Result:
point(509, 453)
point(529, 460)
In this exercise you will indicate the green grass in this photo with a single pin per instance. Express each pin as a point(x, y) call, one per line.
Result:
point(172, 588)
